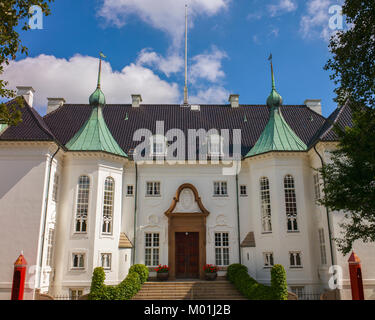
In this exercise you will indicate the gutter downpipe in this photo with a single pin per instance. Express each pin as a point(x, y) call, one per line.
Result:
point(135, 209)
point(327, 211)
point(45, 217)
point(238, 219)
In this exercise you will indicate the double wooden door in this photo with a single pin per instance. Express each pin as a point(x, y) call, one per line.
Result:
point(187, 254)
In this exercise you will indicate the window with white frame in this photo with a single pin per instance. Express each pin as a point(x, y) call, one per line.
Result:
point(78, 261)
point(130, 190)
point(265, 202)
point(290, 203)
point(55, 187)
point(295, 259)
point(106, 261)
point(243, 190)
point(75, 294)
point(152, 243)
point(158, 145)
point(109, 187)
point(268, 259)
point(215, 145)
point(50, 243)
point(299, 291)
point(153, 189)
point(82, 204)
point(222, 248)
point(317, 186)
point(322, 245)
point(220, 189)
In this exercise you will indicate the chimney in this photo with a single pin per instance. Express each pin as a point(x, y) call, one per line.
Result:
point(27, 93)
point(234, 100)
point(315, 105)
point(54, 103)
point(136, 100)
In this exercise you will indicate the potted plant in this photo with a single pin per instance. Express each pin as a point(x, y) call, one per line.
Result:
point(162, 272)
point(210, 272)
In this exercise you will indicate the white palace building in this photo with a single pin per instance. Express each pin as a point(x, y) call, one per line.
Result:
point(76, 192)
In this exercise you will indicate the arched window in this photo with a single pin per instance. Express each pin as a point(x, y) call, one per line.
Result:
point(82, 204)
point(109, 187)
point(265, 204)
point(290, 203)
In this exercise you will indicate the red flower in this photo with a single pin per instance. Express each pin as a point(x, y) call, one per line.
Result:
point(210, 268)
point(162, 269)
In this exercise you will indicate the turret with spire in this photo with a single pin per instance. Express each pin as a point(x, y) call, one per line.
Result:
point(277, 135)
point(94, 135)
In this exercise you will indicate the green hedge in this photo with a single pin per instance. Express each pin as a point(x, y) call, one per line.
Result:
point(126, 290)
point(251, 289)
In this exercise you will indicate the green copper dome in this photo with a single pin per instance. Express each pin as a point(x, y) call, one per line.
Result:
point(97, 98)
point(274, 99)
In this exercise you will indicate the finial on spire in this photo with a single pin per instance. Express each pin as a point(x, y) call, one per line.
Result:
point(272, 74)
point(186, 102)
point(274, 99)
point(101, 55)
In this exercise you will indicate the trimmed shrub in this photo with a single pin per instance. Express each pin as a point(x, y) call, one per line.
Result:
point(142, 270)
point(251, 289)
point(126, 290)
point(278, 282)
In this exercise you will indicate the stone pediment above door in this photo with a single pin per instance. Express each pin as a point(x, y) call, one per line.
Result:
point(187, 201)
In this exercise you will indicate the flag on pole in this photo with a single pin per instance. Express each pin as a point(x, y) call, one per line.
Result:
point(270, 58)
point(102, 55)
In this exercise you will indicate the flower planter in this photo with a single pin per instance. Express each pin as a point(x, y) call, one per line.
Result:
point(162, 276)
point(210, 276)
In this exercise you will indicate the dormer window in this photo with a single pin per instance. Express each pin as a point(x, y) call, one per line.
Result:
point(158, 145)
point(215, 145)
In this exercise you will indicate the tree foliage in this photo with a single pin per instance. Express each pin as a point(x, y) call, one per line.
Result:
point(12, 13)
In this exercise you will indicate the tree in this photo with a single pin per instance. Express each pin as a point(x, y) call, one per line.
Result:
point(12, 12)
point(349, 180)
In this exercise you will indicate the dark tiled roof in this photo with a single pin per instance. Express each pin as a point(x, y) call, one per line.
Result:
point(67, 120)
point(32, 127)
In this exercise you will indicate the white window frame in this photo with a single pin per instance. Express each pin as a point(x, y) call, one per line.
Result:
point(221, 187)
point(81, 261)
point(55, 188)
point(83, 203)
point(322, 247)
point(106, 264)
point(243, 187)
point(108, 206)
point(265, 205)
point(295, 254)
point(298, 290)
point(317, 192)
point(290, 199)
point(155, 186)
point(215, 145)
point(50, 246)
point(222, 249)
point(155, 142)
point(152, 249)
point(268, 260)
point(128, 187)
point(75, 293)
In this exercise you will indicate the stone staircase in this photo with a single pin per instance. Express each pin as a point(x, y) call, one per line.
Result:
point(189, 290)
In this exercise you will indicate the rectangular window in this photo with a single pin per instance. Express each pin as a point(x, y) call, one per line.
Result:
point(74, 294)
point(317, 186)
point(78, 261)
point(265, 203)
point(222, 248)
point(82, 204)
point(152, 249)
point(243, 191)
point(106, 261)
point(268, 259)
point(295, 259)
point(322, 243)
point(153, 189)
point(220, 188)
point(50, 242)
point(130, 190)
point(55, 188)
point(299, 291)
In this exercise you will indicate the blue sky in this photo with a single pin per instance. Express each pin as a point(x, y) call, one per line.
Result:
point(229, 43)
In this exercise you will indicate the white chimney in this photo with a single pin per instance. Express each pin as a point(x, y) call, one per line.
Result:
point(27, 93)
point(54, 103)
point(234, 100)
point(315, 105)
point(136, 100)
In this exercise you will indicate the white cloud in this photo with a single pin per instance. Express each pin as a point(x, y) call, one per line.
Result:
point(212, 95)
point(315, 23)
point(171, 64)
point(166, 15)
point(75, 79)
point(208, 66)
point(282, 7)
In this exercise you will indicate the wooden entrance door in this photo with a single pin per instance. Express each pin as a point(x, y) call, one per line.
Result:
point(187, 254)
